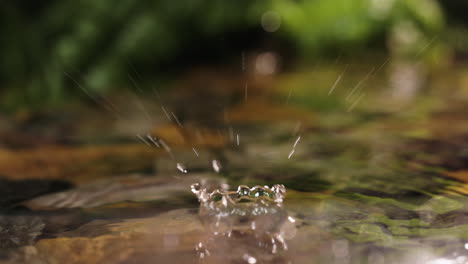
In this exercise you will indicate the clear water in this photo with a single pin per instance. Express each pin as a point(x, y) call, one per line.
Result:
point(378, 178)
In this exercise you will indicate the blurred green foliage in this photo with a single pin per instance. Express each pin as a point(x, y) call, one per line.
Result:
point(99, 42)
point(350, 25)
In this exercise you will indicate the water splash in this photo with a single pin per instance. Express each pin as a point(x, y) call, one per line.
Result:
point(250, 220)
point(257, 194)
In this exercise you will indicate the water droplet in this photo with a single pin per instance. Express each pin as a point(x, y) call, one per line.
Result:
point(279, 190)
point(181, 167)
point(195, 151)
point(216, 166)
point(258, 192)
point(195, 188)
point(250, 259)
point(153, 140)
point(291, 153)
point(242, 190)
point(200, 192)
point(243, 194)
point(297, 141)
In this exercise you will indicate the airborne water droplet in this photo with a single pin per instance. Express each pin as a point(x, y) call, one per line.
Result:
point(291, 153)
point(216, 166)
point(181, 167)
point(243, 190)
point(257, 192)
point(249, 259)
point(297, 141)
point(195, 151)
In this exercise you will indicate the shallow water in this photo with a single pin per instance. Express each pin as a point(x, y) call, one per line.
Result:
point(372, 179)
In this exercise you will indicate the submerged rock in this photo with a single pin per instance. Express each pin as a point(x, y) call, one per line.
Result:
point(17, 231)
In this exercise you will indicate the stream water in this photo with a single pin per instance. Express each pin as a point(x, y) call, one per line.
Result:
point(371, 174)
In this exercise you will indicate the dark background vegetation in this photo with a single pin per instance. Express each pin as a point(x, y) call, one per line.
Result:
point(99, 42)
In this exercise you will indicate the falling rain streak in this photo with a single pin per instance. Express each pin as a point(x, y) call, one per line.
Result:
point(106, 104)
point(335, 84)
point(293, 150)
point(138, 100)
point(356, 102)
point(426, 46)
point(176, 119)
point(195, 151)
point(165, 112)
point(143, 140)
point(149, 140)
point(181, 167)
point(154, 140)
point(359, 84)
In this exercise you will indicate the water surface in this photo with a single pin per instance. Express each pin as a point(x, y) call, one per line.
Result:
point(373, 174)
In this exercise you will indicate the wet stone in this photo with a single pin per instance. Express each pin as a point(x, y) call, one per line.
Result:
point(19, 230)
